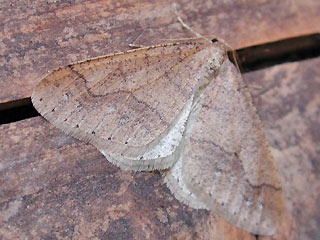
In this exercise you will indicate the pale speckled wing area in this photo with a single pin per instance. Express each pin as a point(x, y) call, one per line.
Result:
point(132, 106)
point(226, 162)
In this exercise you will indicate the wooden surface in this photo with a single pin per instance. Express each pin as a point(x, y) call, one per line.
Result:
point(38, 36)
point(55, 187)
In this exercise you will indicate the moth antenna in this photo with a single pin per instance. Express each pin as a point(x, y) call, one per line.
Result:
point(133, 45)
point(180, 39)
point(198, 35)
point(184, 25)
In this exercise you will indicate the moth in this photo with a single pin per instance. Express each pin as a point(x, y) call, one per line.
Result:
point(180, 106)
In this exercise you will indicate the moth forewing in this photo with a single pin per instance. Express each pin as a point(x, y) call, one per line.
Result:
point(132, 106)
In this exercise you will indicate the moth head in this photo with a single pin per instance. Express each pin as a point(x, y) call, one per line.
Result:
point(216, 56)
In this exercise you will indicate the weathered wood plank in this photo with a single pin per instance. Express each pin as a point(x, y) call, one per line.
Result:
point(37, 36)
point(53, 186)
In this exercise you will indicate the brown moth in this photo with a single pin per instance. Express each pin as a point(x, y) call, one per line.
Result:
point(181, 106)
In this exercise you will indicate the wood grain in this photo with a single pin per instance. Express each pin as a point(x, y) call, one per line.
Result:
point(38, 36)
point(55, 186)
point(61, 188)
